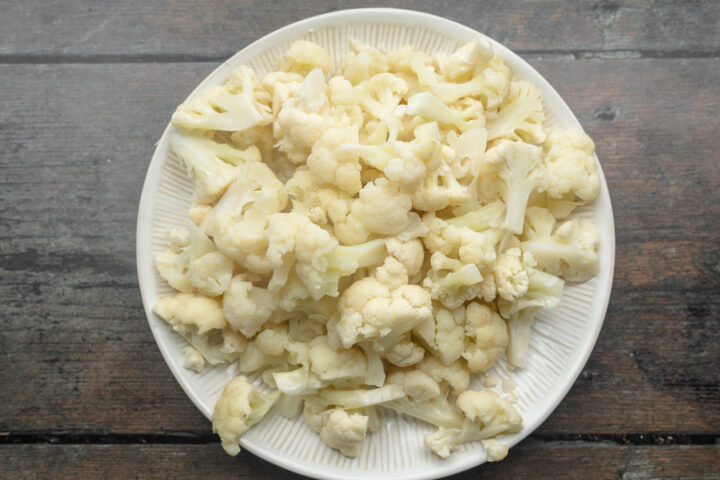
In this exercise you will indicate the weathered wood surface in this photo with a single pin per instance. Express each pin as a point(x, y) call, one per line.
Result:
point(531, 459)
point(87, 88)
point(37, 30)
point(77, 139)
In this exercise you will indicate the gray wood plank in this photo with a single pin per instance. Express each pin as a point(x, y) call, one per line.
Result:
point(75, 351)
point(530, 459)
point(36, 30)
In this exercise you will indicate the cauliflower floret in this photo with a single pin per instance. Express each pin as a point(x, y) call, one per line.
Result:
point(451, 282)
point(239, 407)
point(432, 108)
point(495, 450)
point(238, 222)
point(363, 63)
point(304, 56)
point(463, 62)
point(539, 223)
point(381, 308)
point(298, 245)
point(442, 237)
point(520, 118)
point(320, 203)
point(405, 353)
point(345, 432)
point(417, 385)
point(192, 359)
point(406, 163)
point(467, 150)
point(230, 107)
point(424, 398)
point(440, 188)
point(455, 375)
point(330, 164)
point(339, 367)
point(212, 165)
point(512, 271)
point(247, 307)
point(486, 337)
point(338, 429)
point(301, 121)
point(443, 334)
point(486, 415)
point(512, 171)
point(490, 78)
point(411, 253)
point(571, 165)
point(570, 252)
point(200, 320)
point(382, 208)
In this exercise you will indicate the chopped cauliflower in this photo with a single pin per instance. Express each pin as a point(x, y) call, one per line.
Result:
point(571, 165)
point(239, 407)
point(374, 232)
point(382, 308)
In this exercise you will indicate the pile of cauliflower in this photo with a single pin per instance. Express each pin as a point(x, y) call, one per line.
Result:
point(371, 236)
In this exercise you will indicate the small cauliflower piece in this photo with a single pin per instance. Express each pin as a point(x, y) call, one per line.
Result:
point(405, 353)
point(495, 450)
point(193, 360)
point(301, 119)
point(304, 56)
point(382, 209)
point(406, 163)
point(247, 307)
point(212, 165)
point(417, 385)
point(443, 334)
point(440, 189)
point(295, 244)
point(512, 171)
point(571, 165)
point(451, 282)
point(520, 118)
point(363, 63)
point(490, 76)
point(486, 415)
point(570, 252)
point(238, 221)
point(381, 308)
point(230, 107)
point(239, 407)
point(432, 108)
point(331, 164)
point(424, 399)
point(193, 263)
point(338, 367)
point(455, 375)
point(345, 432)
point(486, 337)
point(512, 272)
point(323, 204)
point(410, 253)
point(200, 320)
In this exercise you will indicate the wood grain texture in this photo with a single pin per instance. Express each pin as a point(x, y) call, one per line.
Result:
point(77, 355)
point(217, 28)
point(532, 459)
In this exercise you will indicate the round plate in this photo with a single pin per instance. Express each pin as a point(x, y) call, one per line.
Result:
point(562, 338)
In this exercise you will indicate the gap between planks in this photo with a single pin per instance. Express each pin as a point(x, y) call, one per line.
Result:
point(10, 438)
point(32, 59)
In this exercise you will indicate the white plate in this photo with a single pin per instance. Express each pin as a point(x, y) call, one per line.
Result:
point(562, 338)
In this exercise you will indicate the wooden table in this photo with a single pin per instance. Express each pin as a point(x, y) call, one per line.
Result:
point(86, 90)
